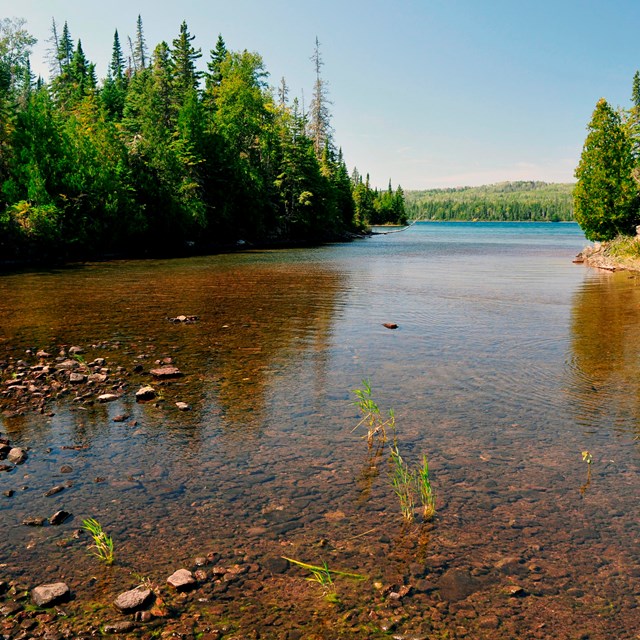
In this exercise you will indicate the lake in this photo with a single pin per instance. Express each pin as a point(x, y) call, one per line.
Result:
point(507, 363)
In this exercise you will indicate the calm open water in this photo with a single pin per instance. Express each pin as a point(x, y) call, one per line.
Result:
point(508, 362)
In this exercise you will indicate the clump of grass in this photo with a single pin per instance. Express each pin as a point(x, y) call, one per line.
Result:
point(406, 482)
point(402, 480)
point(427, 496)
point(102, 546)
point(624, 247)
point(372, 418)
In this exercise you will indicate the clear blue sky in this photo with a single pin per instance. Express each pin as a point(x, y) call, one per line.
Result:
point(429, 93)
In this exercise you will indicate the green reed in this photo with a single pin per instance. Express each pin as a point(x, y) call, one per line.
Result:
point(102, 546)
point(372, 418)
point(407, 483)
point(402, 480)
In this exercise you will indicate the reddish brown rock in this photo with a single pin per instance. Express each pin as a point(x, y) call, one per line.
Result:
point(167, 371)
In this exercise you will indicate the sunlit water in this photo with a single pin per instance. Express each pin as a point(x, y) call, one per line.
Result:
point(508, 362)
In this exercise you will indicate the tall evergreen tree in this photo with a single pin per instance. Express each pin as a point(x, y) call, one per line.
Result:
point(139, 48)
point(320, 130)
point(605, 195)
point(184, 56)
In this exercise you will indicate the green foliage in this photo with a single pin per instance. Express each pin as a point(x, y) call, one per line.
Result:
point(146, 161)
point(606, 196)
point(102, 546)
point(506, 201)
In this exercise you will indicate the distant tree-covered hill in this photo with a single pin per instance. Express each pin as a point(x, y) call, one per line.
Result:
point(506, 201)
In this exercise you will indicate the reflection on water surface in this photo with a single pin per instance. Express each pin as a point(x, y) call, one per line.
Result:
point(508, 362)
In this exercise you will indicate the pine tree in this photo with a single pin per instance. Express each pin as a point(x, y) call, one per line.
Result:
point(605, 196)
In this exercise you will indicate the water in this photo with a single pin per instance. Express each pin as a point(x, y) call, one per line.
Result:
point(508, 362)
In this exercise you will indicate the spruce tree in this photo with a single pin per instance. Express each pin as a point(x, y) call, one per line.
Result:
point(320, 130)
point(606, 196)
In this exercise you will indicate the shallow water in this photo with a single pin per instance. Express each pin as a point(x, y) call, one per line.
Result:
point(507, 363)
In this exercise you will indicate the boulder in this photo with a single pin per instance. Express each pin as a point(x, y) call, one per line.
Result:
point(133, 600)
point(46, 595)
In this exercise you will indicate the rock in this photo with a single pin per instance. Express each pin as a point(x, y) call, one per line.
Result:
point(145, 393)
point(46, 595)
point(182, 579)
point(75, 351)
point(183, 406)
point(276, 565)
point(4, 450)
point(42, 354)
point(390, 325)
point(77, 378)
point(122, 626)
point(6, 467)
point(54, 490)
point(120, 418)
point(108, 397)
point(33, 522)
point(59, 517)
point(8, 493)
point(65, 468)
point(457, 584)
point(133, 600)
point(17, 455)
point(168, 371)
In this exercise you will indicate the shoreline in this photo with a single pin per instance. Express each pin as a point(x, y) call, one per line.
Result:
point(610, 256)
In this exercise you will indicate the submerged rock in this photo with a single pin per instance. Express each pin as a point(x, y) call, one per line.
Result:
point(47, 595)
point(167, 371)
point(131, 601)
point(59, 517)
point(390, 325)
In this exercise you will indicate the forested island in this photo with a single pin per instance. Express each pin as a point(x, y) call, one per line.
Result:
point(505, 201)
point(160, 155)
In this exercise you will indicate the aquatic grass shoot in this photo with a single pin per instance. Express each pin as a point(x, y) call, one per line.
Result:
point(402, 480)
point(323, 576)
point(427, 496)
point(588, 458)
point(102, 546)
point(371, 417)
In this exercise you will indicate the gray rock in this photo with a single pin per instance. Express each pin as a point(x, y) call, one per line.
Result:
point(182, 580)
point(17, 455)
point(77, 378)
point(145, 393)
point(133, 600)
point(47, 595)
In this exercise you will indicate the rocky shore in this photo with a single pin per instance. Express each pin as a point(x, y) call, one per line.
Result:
point(608, 256)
